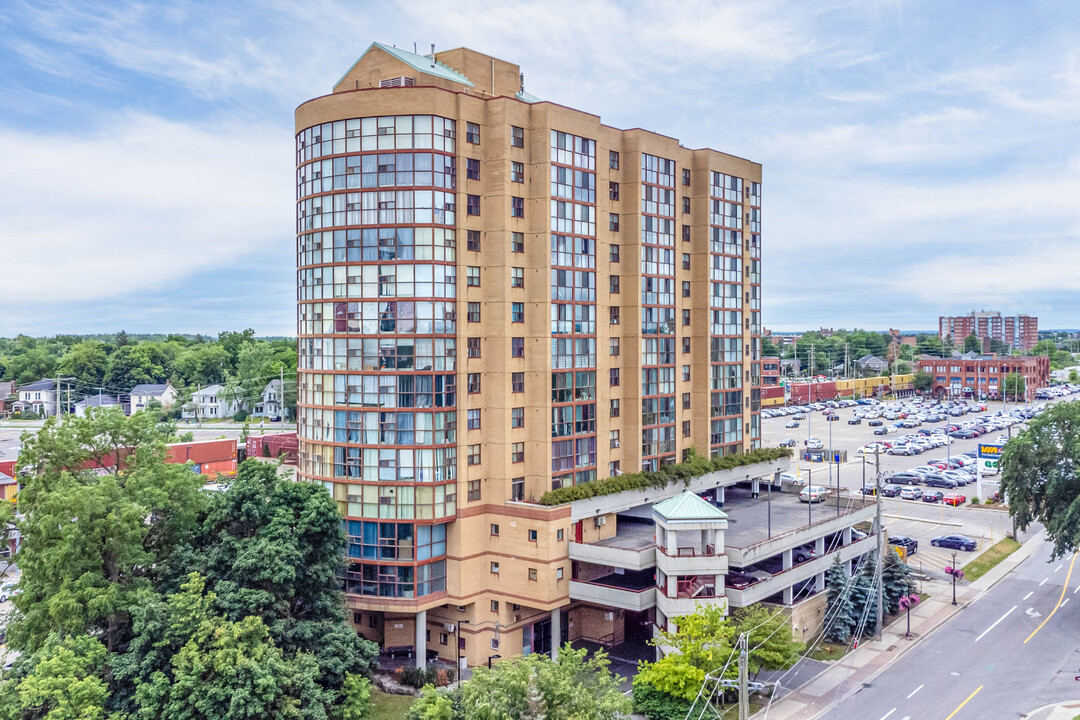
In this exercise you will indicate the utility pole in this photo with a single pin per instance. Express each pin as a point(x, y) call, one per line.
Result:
point(198, 423)
point(744, 698)
point(877, 511)
point(281, 399)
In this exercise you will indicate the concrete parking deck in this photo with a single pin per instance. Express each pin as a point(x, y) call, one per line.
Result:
point(753, 520)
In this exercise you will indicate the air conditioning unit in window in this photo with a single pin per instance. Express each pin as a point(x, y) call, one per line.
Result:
point(449, 627)
point(600, 521)
point(615, 444)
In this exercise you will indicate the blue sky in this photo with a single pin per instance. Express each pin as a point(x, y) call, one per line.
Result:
point(919, 157)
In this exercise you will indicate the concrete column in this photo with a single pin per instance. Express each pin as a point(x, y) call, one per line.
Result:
point(819, 582)
point(720, 496)
point(789, 595)
point(845, 536)
point(671, 545)
point(421, 639)
point(786, 560)
point(755, 487)
point(819, 547)
point(556, 632)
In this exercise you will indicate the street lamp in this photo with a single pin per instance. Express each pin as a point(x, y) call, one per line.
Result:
point(956, 574)
point(458, 628)
point(906, 603)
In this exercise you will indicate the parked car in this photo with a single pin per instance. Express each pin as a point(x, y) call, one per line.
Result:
point(905, 478)
point(854, 421)
point(8, 590)
point(832, 417)
point(940, 481)
point(956, 542)
point(814, 444)
point(911, 544)
point(932, 496)
point(902, 450)
point(869, 490)
point(891, 490)
point(792, 424)
point(788, 442)
point(738, 580)
point(880, 430)
point(857, 534)
point(813, 494)
point(875, 423)
point(803, 553)
point(954, 499)
point(911, 493)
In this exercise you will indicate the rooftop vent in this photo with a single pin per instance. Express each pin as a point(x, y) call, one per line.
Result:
point(397, 82)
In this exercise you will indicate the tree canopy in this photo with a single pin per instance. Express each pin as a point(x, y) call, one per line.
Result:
point(1040, 475)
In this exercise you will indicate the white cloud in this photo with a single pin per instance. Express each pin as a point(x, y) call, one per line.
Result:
point(137, 202)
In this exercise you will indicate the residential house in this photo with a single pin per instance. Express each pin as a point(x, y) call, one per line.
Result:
point(209, 404)
point(95, 401)
point(142, 395)
point(7, 396)
point(37, 398)
point(271, 404)
point(872, 363)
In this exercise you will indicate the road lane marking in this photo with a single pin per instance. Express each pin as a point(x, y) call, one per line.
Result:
point(1065, 603)
point(990, 628)
point(1032, 593)
point(888, 714)
point(1044, 581)
point(961, 705)
point(915, 691)
point(1064, 587)
point(1076, 590)
point(1059, 567)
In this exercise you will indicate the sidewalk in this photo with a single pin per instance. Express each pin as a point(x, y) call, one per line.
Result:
point(845, 676)
point(1061, 711)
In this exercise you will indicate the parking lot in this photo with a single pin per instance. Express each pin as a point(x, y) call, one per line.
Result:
point(913, 518)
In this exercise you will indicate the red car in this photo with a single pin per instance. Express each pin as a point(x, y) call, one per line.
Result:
point(954, 499)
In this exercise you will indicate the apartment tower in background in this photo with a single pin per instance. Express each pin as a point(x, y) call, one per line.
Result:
point(1020, 332)
point(498, 296)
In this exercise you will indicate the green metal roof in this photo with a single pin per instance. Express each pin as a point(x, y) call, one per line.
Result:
point(688, 506)
point(420, 63)
point(527, 97)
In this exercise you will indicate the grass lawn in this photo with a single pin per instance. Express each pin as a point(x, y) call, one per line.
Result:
point(995, 554)
point(828, 652)
point(390, 707)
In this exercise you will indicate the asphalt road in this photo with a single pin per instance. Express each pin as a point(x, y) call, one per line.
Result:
point(1007, 653)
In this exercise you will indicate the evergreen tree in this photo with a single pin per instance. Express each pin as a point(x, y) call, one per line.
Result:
point(841, 608)
point(864, 597)
point(896, 578)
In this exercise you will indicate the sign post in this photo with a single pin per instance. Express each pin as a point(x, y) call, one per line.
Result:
point(987, 463)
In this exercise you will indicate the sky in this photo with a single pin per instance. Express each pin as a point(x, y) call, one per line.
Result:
point(919, 157)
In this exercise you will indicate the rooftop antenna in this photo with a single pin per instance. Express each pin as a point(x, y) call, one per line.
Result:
point(432, 54)
point(414, 49)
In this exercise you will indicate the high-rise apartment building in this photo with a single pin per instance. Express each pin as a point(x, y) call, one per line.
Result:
point(1015, 331)
point(498, 296)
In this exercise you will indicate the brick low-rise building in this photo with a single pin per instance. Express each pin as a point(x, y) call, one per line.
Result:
point(959, 376)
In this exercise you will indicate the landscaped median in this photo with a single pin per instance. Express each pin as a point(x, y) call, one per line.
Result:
point(694, 466)
point(990, 558)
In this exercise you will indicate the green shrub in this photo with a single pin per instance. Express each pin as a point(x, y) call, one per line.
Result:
point(694, 466)
point(240, 416)
point(418, 677)
point(974, 501)
point(659, 705)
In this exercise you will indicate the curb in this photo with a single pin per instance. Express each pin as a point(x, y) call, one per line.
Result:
point(1035, 542)
point(1073, 704)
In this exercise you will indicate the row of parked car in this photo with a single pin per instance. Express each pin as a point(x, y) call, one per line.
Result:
point(827, 406)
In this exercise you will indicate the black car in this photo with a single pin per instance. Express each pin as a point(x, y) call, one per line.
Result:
point(875, 423)
point(932, 496)
point(905, 478)
point(830, 418)
point(880, 430)
point(904, 541)
point(738, 580)
point(854, 421)
point(868, 490)
point(890, 490)
point(957, 542)
point(940, 481)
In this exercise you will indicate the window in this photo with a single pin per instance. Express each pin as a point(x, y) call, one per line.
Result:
point(558, 573)
point(472, 133)
point(495, 568)
point(357, 618)
point(614, 346)
point(686, 205)
point(472, 276)
point(517, 347)
point(517, 207)
point(517, 382)
point(686, 288)
point(494, 641)
point(517, 277)
point(517, 312)
point(373, 621)
point(517, 242)
point(686, 261)
point(686, 346)
point(494, 530)
point(559, 535)
point(685, 318)
point(613, 222)
point(533, 536)
point(686, 233)
point(613, 283)
point(473, 347)
point(472, 168)
point(613, 253)
point(686, 401)
point(686, 373)
point(472, 204)
point(474, 490)
point(474, 454)
point(613, 408)
point(517, 452)
point(443, 638)
point(472, 313)
point(532, 574)
point(494, 606)
point(613, 439)
point(472, 243)
point(473, 383)
point(613, 376)
point(613, 160)
point(517, 172)
point(686, 176)
point(686, 428)
point(473, 419)
point(517, 489)
point(613, 316)
point(517, 136)
point(517, 417)
point(613, 190)
point(613, 468)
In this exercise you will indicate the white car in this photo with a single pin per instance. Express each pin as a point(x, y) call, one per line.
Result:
point(813, 494)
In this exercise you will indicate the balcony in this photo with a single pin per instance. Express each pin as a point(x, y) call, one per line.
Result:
point(630, 591)
point(692, 561)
